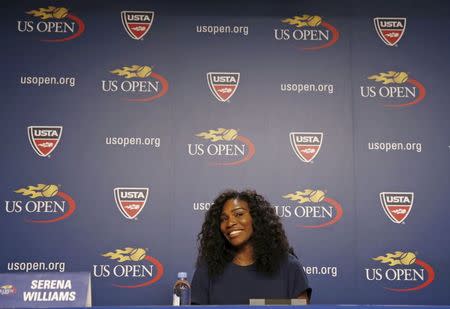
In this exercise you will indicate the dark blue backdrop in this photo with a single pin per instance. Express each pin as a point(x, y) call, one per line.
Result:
point(351, 168)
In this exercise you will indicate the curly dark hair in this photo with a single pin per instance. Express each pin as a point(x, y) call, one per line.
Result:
point(269, 241)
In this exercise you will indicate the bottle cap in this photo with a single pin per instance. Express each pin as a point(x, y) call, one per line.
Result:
point(182, 275)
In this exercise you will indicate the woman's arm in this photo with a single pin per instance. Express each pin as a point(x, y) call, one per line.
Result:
point(200, 286)
point(304, 296)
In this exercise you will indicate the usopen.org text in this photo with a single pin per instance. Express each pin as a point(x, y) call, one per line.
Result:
point(47, 80)
point(36, 266)
point(133, 141)
point(221, 29)
point(307, 87)
point(394, 146)
point(331, 271)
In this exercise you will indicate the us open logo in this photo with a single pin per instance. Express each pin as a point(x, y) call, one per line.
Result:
point(393, 89)
point(137, 23)
point(45, 203)
point(44, 139)
point(397, 205)
point(390, 29)
point(223, 84)
point(137, 83)
point(58, 24)
point(8, 289)
point(312, 207)
point(306, 145)
point(312, 31)
point(130, 201)
point(130, 268)
point(223, 147)
point(400, 271)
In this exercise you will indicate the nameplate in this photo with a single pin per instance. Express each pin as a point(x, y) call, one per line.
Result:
point(34, 290)
point(277, 301)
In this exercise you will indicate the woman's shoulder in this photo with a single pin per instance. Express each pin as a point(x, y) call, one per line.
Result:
point(292, 262)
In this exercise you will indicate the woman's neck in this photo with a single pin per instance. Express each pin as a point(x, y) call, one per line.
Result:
point(244, 256)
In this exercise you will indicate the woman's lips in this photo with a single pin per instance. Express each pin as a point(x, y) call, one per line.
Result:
point(235, 233)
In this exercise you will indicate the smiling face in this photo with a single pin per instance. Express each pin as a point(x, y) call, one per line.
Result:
point(236, 223)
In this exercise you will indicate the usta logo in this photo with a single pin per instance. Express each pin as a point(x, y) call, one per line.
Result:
point(56, 21)
point(44, 139)
point(306, 145)
point(46, 203)
point(223, 84)
point(134, 268)
point(137, 23)
point(397, 205)
point(390, 29)
point(130, 201)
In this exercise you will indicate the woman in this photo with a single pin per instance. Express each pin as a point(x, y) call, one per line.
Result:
point(244, 254)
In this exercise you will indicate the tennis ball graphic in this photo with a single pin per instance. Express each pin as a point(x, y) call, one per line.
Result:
point(144, 71)
point(314, 21)
point(49, 190)
point(229, 135)
point(60, 13)
point(137, 254)
point(400, 77)
point(408, 258)
point(317, 196)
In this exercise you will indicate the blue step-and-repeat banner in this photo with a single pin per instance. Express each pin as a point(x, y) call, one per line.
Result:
point(122, 120)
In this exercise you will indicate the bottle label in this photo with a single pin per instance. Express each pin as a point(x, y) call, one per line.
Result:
point(176, 300)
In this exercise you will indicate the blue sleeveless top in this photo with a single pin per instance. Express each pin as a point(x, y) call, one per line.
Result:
point(238, 284)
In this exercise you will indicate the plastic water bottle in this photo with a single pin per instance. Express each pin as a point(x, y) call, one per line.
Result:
point(182, 291)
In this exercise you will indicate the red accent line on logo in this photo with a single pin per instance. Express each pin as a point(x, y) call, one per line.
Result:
point(339, 213)
point(422, 93)
point(165, 88)
point(72, 207)
point(335, 34)
point(159, 274)
point(251, 153)
point(81, 27)
point(430, 279)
